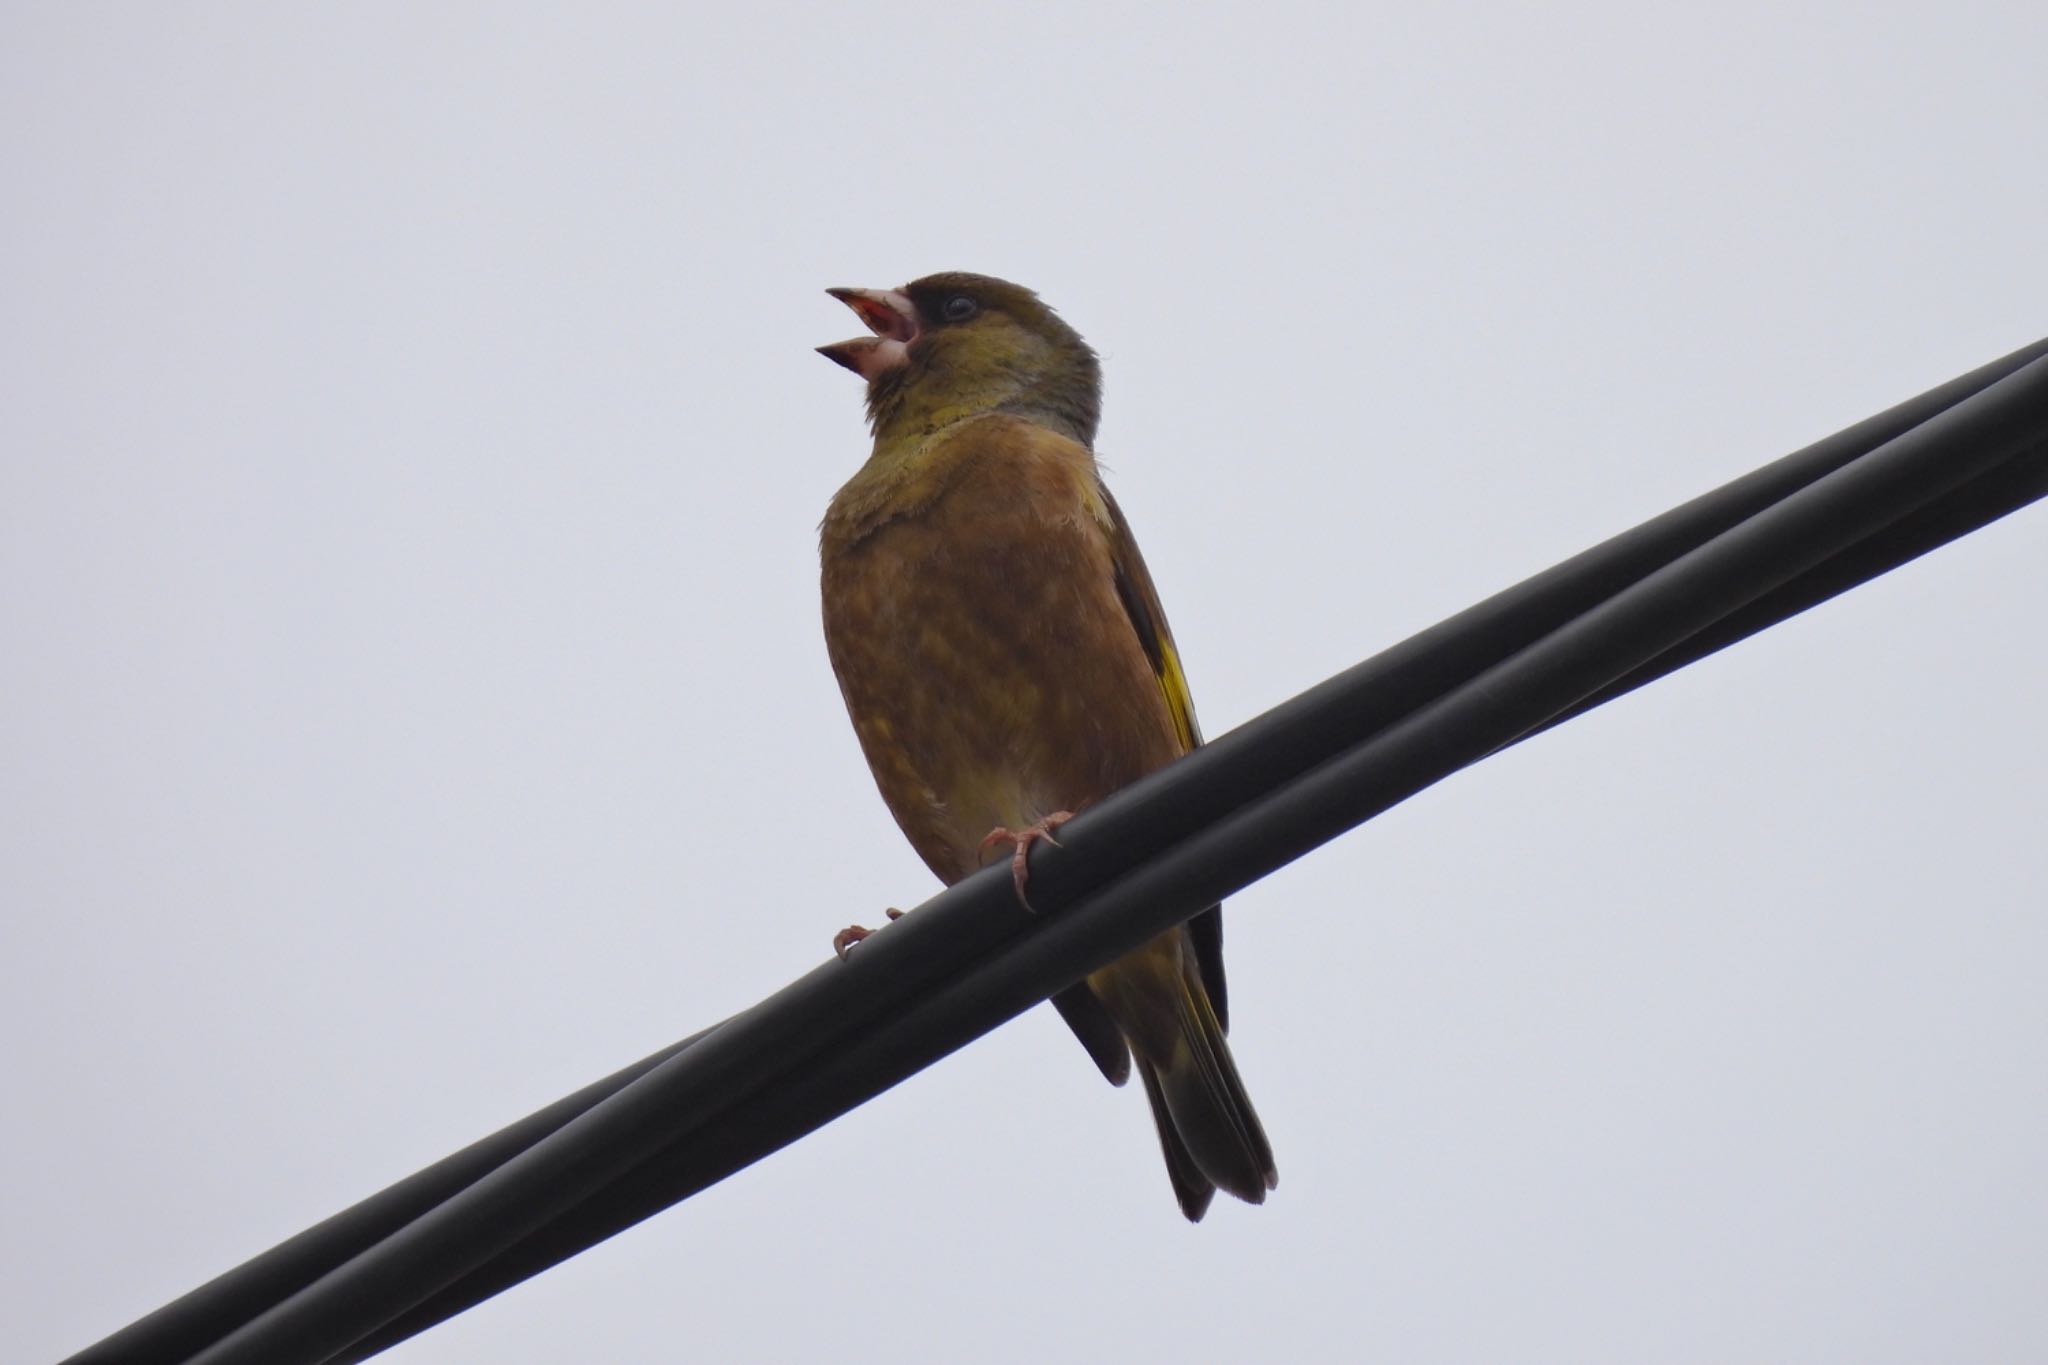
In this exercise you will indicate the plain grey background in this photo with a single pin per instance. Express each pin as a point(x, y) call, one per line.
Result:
point(412, 703)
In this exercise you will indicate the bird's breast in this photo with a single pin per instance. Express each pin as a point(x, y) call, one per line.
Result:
point(988, 665)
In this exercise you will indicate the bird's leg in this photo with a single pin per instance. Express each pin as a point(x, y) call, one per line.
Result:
point(1020, 865)
point(854, 933)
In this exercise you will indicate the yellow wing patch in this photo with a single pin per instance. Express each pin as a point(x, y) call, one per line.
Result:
point(1179, 701)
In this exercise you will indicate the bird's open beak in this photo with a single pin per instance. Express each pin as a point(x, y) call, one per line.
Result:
point(893, 320)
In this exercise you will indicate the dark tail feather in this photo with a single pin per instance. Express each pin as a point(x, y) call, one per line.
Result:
point(1093, 1024)
point(1198, 1095)
point(1193, 1189)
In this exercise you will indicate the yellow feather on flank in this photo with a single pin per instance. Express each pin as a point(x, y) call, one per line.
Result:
point(1179, 701)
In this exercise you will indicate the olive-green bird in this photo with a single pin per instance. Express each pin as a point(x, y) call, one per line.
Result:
point(1005, 661)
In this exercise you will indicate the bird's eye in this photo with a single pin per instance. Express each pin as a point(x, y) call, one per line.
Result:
point(959, 308)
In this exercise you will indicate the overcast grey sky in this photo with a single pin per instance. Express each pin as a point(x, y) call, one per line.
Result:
point(412, 702)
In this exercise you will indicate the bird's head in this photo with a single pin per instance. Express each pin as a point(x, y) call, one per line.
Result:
point(953, 346)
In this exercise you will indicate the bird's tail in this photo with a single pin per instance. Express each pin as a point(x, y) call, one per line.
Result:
point(1207, 1128)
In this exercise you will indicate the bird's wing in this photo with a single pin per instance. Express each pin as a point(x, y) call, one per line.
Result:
point(1141, 603)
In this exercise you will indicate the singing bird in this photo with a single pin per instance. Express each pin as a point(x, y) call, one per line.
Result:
point(1005, 661)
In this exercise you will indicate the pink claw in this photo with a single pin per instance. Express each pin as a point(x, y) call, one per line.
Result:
point(854, 933)
point(1020, 864)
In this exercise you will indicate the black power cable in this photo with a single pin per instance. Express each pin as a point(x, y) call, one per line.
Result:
point(1723, 566)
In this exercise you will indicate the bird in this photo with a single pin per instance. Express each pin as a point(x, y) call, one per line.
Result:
point(1005, 661)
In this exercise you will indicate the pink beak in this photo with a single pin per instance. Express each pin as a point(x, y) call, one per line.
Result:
point(893, 320)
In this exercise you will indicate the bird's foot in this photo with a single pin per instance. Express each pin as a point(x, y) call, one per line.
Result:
point(854, 933)
point(1020, 865)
